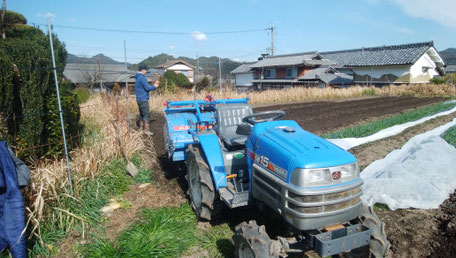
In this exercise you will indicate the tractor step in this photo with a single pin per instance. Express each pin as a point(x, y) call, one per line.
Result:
point(234, 199)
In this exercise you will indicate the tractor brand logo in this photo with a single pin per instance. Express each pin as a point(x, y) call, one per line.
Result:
point(336, 175)
point(181, 127)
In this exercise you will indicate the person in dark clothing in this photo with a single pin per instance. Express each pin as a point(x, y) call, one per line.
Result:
point(13, 175)
point(142, 89)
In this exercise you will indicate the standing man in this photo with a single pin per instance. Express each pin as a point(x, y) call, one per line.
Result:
point(142, 89)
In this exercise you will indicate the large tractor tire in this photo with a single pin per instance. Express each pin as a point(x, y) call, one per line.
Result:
point(200, 187)
point(379, 244)
point(252, 241)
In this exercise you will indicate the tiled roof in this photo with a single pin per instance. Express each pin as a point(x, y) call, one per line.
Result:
point(173, 62)
point(291, 60)
point(450, 69)
point(84, 73)
point(243, 68)
point(380, 56)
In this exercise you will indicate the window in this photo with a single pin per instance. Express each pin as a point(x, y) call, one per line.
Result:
point(270, 73)
point(291, 72)
point(184, 73)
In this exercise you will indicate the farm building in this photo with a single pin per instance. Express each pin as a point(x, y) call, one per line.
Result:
point(178, 66)
point(244, 76)
point(398, 64)
point(88, 75)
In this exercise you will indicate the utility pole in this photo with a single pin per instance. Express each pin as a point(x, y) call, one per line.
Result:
point(197, 68)
point(220, 74)
point(3, 19)
point(126, 84)
point(272, 39)
point(99, 75)
point(62, 126)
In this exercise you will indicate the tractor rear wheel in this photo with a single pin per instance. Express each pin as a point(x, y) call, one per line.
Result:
point(379, 244)
point(252, 241)
point(200, 187)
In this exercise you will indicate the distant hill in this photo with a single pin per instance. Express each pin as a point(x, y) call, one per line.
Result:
point(208, 65)
point(91, 60)
point(449, 56)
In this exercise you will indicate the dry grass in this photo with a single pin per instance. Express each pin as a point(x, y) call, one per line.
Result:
point(311, 94)
point(49, 180)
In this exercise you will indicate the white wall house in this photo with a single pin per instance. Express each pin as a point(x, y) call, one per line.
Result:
point(398, 64)
point(178, 66)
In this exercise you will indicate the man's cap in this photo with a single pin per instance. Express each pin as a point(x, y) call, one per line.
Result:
point(143, 67)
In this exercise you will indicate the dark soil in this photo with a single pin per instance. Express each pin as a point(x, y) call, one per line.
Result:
point(324, 116)
point(444, 239)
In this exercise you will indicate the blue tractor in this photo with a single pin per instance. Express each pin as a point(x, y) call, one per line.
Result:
point(235, 157)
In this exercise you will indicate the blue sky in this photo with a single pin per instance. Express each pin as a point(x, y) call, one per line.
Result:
point(301, 26)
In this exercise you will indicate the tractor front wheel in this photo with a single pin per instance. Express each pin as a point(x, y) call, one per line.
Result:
point(200, 187)
point(252, 241)
point(379, 245)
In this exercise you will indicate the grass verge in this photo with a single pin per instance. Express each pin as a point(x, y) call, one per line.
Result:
point(84, 208)
point(163, 232)
point(371, 128)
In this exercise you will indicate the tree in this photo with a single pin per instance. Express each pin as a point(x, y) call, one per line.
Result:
point(203, 84)
point(27, 88)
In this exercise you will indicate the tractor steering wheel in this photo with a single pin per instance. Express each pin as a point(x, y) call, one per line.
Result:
point(272, 115)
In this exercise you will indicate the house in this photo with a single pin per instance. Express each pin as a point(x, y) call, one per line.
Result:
point(178, 66)
point(397, 64)
point(283, 71)
point(89, 74)
point(244, 76)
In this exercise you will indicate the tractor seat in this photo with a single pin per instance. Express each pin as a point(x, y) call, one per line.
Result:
point(228, 118)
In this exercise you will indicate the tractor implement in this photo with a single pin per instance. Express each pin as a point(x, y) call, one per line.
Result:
point(235, 157)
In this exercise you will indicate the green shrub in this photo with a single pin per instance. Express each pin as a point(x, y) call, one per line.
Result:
point(438, 80)
point(368, 92)
point(172, 78)
point(83, 94)
point(27, 90)
point(450, 136)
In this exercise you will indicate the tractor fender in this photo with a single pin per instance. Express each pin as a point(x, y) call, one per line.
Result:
point(212, 150)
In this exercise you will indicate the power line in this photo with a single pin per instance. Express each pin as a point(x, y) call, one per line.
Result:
point(155, 32)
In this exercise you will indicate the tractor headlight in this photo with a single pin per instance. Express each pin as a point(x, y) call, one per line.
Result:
point(349, 172)
point(310, 177)
point(324, 176)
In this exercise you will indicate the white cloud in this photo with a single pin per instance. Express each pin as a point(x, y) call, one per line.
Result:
point(441, 11)
point(199, 35)
point(47, 15)
point(172, 46)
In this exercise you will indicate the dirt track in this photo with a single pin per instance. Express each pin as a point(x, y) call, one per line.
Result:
point(406, 229)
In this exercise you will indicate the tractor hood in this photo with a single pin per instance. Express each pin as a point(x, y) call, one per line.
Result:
point(287, 145)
